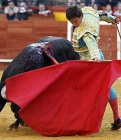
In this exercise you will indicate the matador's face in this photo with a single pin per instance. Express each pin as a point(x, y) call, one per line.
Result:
point(76, 21)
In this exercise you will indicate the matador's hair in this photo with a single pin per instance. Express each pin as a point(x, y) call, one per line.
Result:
point(73, 11)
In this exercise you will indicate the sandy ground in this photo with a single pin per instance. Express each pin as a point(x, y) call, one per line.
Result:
point(25, 133)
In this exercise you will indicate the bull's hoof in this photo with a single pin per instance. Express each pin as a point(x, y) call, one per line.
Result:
point(12, 128)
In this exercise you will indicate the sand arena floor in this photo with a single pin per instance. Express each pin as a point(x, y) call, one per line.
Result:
point(25, 133)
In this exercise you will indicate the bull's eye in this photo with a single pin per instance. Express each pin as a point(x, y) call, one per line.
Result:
point(3, 92)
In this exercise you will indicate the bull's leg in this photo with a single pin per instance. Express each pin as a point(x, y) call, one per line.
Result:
point(13, 126)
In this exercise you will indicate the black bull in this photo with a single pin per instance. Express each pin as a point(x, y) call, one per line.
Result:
point(32, 57)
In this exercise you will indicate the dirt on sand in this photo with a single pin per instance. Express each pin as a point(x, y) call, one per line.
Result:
point(26, 133)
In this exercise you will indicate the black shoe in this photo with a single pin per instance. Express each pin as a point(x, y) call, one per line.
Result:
point(116, 125)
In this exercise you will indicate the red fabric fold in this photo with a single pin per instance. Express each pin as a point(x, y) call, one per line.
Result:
point(64, 99)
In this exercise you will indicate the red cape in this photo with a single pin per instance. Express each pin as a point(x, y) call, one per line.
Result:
point(65, 99)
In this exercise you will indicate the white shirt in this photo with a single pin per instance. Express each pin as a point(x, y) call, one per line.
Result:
point(8, 10)
point(117, 13)
point(109, 12)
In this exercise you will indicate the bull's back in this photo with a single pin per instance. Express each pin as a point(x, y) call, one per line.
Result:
point(29, 59)
point(32, 57)
point(62, 48)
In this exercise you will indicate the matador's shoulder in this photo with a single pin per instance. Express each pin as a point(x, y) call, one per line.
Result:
point(90, 10)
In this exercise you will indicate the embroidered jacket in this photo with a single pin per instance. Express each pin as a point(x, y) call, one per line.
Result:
point(85, 37)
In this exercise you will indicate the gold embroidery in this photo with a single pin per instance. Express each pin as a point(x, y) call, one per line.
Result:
point(90, 24)
point(83, 49)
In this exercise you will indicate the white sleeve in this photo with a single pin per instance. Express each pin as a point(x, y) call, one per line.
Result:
point(6, 10)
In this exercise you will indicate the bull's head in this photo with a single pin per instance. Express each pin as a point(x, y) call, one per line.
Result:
point(2, 99)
